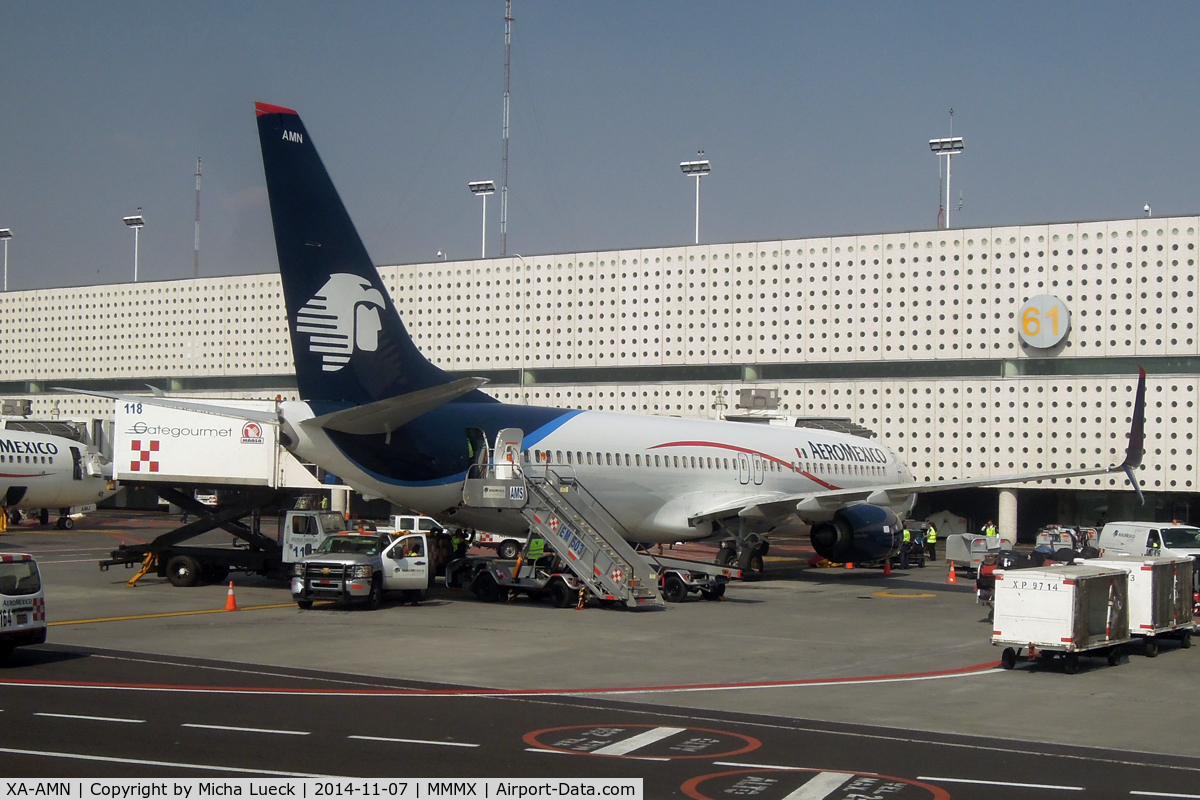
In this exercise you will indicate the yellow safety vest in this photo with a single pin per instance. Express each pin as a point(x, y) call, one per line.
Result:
point(536, 548)
point(931, 536)
point(990, 530)
point(907, 536)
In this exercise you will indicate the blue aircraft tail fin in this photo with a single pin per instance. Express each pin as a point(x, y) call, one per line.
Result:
point(348, 341)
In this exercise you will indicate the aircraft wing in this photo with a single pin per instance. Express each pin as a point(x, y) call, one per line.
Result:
point(783, 505)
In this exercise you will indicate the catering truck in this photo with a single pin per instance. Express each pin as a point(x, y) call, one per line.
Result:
point(22, 604)
point(182, 454)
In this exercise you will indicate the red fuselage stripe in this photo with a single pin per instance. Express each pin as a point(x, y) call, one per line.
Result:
point(747, 450)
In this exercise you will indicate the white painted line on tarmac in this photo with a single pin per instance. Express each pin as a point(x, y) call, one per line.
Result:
point(626, 746)
point(411, 741)
point(582, 753)
point(1004, 783)
point(1166, 794)
point(754, 766)
point(821, 786)
point(242, 730)
point(84, 716)
point(148, 763)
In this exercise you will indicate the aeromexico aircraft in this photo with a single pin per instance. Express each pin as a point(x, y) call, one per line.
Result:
point(391, 424)
point(39, 472)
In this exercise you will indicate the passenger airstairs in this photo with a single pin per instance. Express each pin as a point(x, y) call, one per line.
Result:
point(574, 524)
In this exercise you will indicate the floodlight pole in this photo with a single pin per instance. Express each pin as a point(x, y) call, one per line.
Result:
point(697, 169)
point(483, 188)
point(5, 235)
point(137, 221)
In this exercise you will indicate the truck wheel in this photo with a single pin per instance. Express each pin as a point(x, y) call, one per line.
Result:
point(561, 595)
point(183, 571)
point(1151, 646)
point(376, 595)
point(1185, 639)
point(1071, 663)
point(726, 557)
point(486, 588)
point(304, 605)
point(508, 550)
point(674, 589)
point(1008, 659)
point(1114, 655)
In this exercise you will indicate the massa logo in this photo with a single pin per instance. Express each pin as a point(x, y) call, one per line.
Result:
point(342, 316)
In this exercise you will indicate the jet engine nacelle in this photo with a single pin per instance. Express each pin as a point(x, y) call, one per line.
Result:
point(857, 533)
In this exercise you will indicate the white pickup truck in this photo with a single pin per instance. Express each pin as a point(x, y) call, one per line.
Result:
point(352, 566)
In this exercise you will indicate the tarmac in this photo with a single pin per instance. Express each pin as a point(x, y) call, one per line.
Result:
point(846, 646)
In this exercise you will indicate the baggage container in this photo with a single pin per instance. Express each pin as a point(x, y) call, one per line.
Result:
point(1160, 597)
point(967, 550)
point(1061, 612)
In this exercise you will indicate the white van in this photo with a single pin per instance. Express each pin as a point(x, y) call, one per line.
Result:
point(22, 604)
point(1149, 539)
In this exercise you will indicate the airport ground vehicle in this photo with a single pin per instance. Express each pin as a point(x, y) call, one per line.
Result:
point(300, 533)
point(1149, 539)
point(353, 566)
point(22, 603)
point(589, 550)
point(505, 545)
point(967, 550)
point(1160, 597)
point(1061, 612)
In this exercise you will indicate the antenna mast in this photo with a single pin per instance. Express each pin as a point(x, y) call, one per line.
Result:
point(196, 251)
point(508, 20)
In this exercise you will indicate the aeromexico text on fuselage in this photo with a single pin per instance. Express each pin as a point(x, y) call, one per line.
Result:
point(432, 450)
point(32, 448)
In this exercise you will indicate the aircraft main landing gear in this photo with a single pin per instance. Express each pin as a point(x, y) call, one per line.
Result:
point(745, 550)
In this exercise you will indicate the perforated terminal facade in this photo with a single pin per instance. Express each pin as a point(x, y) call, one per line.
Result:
point(913, 335)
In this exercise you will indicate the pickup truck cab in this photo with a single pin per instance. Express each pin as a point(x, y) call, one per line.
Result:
point(22, 603)
point(362, 566)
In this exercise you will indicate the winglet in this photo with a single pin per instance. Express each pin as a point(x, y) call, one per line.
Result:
point(1137, 429)
point(1137, 436)
point(266, 108)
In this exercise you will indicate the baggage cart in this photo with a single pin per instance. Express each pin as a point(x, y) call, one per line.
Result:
point(1062, 613)
point(967, 550)
point(1160, 597)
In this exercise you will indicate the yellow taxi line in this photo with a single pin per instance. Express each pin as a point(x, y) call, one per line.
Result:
point(165, 614)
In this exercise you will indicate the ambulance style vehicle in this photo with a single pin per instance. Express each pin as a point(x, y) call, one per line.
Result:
point(22, 604)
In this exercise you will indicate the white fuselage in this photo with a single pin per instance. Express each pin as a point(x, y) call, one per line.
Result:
point(41, 471)
point(652, 473)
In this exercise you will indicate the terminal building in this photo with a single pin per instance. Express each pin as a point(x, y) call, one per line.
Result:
point(914, 336)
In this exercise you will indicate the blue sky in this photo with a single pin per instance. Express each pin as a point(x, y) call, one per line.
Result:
point(815, 117)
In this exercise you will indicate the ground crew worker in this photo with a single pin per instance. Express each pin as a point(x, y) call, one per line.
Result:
point(537, 548)
point(1152, 544)
point(458, 543)
point(905, 543)
point(931, 542)
point(989, 530)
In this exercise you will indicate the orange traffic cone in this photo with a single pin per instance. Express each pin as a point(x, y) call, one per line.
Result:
point(230, 600)
point(887, 568)
point(952, 578)
point(849, 565)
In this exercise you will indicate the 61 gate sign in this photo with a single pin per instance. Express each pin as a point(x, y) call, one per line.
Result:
point(1044, 321)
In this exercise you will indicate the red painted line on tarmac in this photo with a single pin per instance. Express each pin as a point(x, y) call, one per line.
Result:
point(167, 687)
